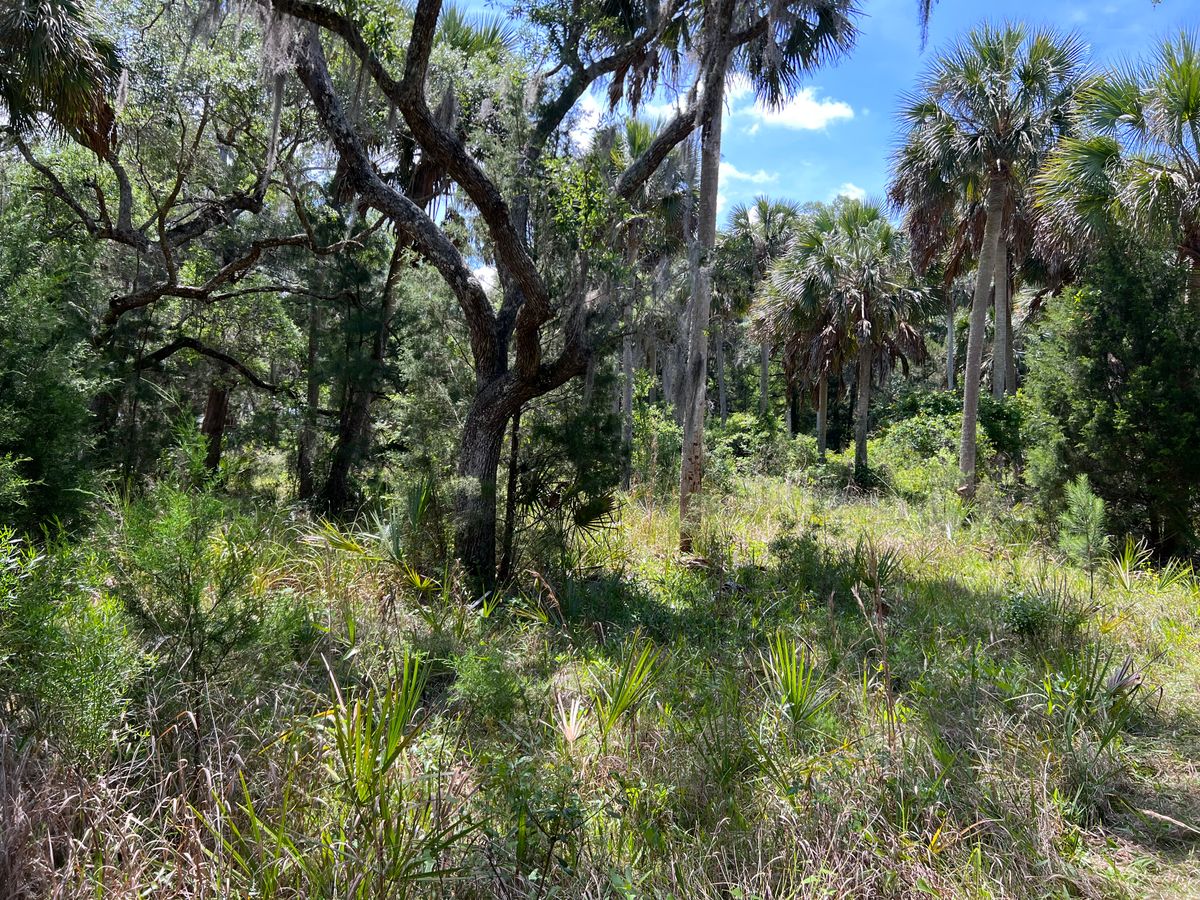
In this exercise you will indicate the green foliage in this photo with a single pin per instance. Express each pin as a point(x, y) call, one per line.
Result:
point(486, 687)
point(796, 682)
point(46, 378)
point(189, 570)
point(67, 660)
point(1112, 394)
point(621, 690)
point(1081, 533)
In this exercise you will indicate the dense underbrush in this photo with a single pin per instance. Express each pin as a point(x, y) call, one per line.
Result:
point(837, 696)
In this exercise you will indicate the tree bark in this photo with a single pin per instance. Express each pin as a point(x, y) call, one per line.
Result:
point(510, 499)
point(475, 495)
point(822, 416)
point(951, 338)
point(974, 362)
point(862, 410)
point(627, 398)
point(764, 377)
point(1010, 360)
point(307, 439)
point(1000, 344)
point(719, 344)
point(652, 369)
point(216, 416)
point(696, 370)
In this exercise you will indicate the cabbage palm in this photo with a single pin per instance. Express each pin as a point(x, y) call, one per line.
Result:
point(1139, 163)
point(54, 63)
point(756, 236)
point(984, 117)
point(846, 283)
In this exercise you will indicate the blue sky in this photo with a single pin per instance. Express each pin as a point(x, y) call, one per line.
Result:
point(837, 135)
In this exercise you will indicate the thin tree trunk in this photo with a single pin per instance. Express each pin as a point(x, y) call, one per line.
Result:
point(1010, 360)
point(719, 344)
point(951, 338)
point(307, 439)
point(216, 416)
point(822, 416)
point(974, 362)
point(354, 423)
point(696, 370)
point(764, 377)
point(510, 499)
point(862, 410)
point(627, 398)
point(1000, 345)
point(652, 369)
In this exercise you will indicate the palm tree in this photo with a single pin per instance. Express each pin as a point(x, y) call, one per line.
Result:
point(846, 282)
point(54, 63)
point(756, 236)
point(776, 61)
point(1139, 163)
point(983, 119)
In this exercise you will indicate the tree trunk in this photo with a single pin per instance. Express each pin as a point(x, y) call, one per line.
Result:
point(974, 362)
point(354, 423)
point(822, 416)
point(719, 344)
point(652, 368)
point(307, 439)
point(1000, 344)
point(1193, 283)
point(696, 370)
point(510, 499)
point(951, 338)
point(1010, 361)
point(764, 378)
point(862, 410)
point(216, 415)
point(475, 493)
point(627, 399)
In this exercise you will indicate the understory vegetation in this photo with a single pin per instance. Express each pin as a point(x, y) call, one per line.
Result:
point(839, 695)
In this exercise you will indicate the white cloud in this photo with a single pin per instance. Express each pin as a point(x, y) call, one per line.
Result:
point(722, 201)
point(587, 122)
point(487, 277)
point(807, 111)
point(730, 172)
point(851, 190)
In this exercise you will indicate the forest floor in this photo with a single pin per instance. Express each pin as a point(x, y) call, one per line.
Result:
point(837, 696)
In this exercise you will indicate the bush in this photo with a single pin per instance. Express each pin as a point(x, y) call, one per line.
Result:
point(1113, 394)
point(66, 657)
point(188, 569)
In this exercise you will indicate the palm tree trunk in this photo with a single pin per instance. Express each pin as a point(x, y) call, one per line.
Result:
point(951, 338)
point(862, 408)
point(764, 377)
point(695, 374)
point(1000, 344)
point(822, 416)
point(719, 344)
point(974, 364)
point(1010, 359)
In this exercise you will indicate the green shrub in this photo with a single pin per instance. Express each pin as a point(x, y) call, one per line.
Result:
point(67, 660)
point(187, 570)
point(486, 688)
